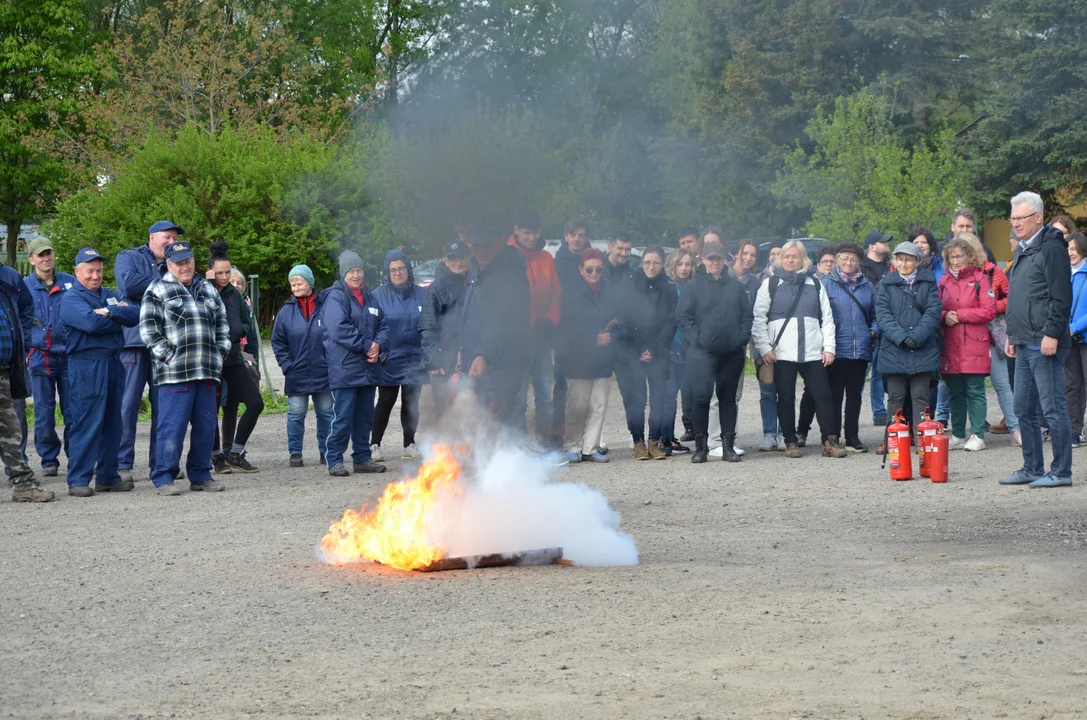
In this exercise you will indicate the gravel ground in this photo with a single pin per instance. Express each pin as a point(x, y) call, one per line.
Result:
point(773, 588)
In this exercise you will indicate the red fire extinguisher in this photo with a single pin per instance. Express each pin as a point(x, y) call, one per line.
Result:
point(898, 449)
point(936, 458)
point(927, 429)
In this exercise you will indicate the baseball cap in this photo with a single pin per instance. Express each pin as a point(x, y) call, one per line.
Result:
point(163, 225)
point(714, 250)
point(877, 237)
point(909, 248)
point(178, 251)
point(457, 249)
point(86, 255)
point(38, 245)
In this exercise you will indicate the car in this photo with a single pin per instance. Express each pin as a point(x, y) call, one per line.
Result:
point(425, 271)
point(812, 245)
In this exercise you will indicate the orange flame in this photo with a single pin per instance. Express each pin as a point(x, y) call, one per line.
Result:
point(395, 531)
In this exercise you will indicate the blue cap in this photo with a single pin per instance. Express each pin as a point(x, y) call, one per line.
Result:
point(86, 255)
point(178, 251)
point(163, 225)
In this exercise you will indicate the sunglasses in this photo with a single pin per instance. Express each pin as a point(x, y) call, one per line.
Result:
point(592, 271)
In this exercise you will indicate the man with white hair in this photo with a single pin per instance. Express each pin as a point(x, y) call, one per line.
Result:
point(1039, 305)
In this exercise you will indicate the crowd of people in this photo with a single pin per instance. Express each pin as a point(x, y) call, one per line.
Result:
point(927, 322)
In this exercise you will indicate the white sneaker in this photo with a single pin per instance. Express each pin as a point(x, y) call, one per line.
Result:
point(375, 454)
point(411, 453)
point(974, 444)
point(781, 443)
point(738, 450)
point(955, 443)
point(717, 452)
point(1017, 438)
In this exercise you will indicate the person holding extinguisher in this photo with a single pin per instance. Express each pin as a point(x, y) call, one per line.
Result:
point(908, 313)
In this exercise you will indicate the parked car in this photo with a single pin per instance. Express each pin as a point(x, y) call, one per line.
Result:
point(426, 271)
point(812, 245)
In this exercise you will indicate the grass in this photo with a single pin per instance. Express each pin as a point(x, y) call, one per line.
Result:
point(271, 407)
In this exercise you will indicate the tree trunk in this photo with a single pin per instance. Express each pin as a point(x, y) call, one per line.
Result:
point(14, 226)
point(394, 35)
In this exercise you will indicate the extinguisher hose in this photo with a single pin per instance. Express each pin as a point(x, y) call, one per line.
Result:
point(886, 446)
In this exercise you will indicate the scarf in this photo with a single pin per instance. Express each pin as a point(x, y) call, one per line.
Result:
point(307, 305)
point(358, 294)
point(953, 273)
point(1076, 268)
point(910, 278)
point(853, 278)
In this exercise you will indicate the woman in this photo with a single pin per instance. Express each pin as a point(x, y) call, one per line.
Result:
point(794, 330)
point(238, 386)
point(355, 335)
point(300, 351)
point(439, 323)
point(826, 260)
point(908, 313)
point(649, 320)
point(968, 303)
point(924, 239)
point(679, 268)
point(1075, 368)
point(585, 354)
point(744, 258)
point(1065, 224)
point(716, 322)
point(401, 301)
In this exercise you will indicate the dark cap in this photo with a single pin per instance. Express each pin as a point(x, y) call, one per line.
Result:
point(457, 249)
point(714, 250)
point(178, 251)
point(164, 225)
point(877, 237)
point(86, 255)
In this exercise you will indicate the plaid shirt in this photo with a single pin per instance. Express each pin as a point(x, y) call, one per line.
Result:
point(186, 332)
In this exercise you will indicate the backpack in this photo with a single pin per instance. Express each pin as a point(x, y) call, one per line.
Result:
point(775, 281)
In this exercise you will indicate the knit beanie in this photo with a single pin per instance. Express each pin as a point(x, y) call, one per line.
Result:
point(303, 272)
point(349, 259)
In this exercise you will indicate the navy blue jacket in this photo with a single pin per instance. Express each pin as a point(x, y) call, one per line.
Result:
point(91, 334)
point(495, 321)
point(47, 352)
point(349, 331)
point(439, 325)
point(18, 306)
point(403, 308)
point(853, 328)
point(899, 319)
point(568, 266)
point(299, 347)
point(134, 270)
point(586, 314)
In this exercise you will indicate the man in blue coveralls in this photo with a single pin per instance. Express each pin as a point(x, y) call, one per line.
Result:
point(93, 316)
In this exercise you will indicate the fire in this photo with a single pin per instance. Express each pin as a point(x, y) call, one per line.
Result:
point(395, 532)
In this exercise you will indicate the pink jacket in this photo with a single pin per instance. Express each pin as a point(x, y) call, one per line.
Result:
point(966, 345)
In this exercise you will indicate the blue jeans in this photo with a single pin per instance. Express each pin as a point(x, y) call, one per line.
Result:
point(45, 389)
point(183, 405)
point(875, 389)
point(1040, 379)
point(943, 402)
point(768, 404)
point(297, 407)
point(540, 369)
point(97, 387)
point(352, 419)
point(1002, 384)
point(137, 362)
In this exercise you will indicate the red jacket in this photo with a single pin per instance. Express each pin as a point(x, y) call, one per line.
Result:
point(543, 283)
point(966, 345)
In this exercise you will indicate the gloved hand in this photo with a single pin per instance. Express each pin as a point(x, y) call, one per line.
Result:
point(909, 343)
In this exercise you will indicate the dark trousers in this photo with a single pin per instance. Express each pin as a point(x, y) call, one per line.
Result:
point(686, 399)
point(46, 388)
point(558, 410)
point(137, 362)
point(240, 389)
point(901, 386)
point(409, 411)
point(846, 378)
point(676, 372)
point(181, 406)
point(97, 387)
point(807, 412)
point(1075, 389)
point(633, 377)
point(704, 372)
point(441, 390)
point(815, 380)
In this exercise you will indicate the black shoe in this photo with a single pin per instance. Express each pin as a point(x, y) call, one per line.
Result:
point(81, 491)
point(801, 439)
point(219, 466)
point(322, 458)
point(296, 460)
point(678, 448)
point(880, 420)
point(368, 467)
point(856, 446)
point(237, 461)
point(688, 436)
point(50, 470)
point(728, 448)
point(119, 486)
point(666, 448)
point(701, 451)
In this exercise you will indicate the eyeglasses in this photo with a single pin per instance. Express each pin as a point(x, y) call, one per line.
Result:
point(397, 270)
point(1024, 217)
point(956, 258)
point(592, 270)
point(829, 261)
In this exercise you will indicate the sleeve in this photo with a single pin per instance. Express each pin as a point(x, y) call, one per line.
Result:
point(686, 322)
point(873, 325)
point(1058, 270)
point(986, 309)
point(885, 315)
point(760, 328)
point(747, 316)
point(131, 283)
point(280, 345)
point(430, 327)
point(25, 302)
point(929, 324)
point(668, 330)
point(381, 330)
point(222, 327)
point(338, 325)
point(512, 312)
point(1080, 325)
point(554, 312)
point(77, 313)
point(830, 330)
point(1000, 288)
point(153, 326)
point(126, 315)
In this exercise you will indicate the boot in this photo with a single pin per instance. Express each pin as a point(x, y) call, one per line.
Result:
point(701, 450)
point(728, 448)
point(832, 449)
point(640, 453)
point(655, 451)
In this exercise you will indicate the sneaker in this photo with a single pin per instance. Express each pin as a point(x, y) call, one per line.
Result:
point(679, 448)
point(1017, 438)
point(219, 466)
point(571, 457)
point(1076, 440)
point(338, 471)
point(974, 444)
point(169, 489)
point(32, 493)
point(296, 460)
point(375, 454)
point(50, 470)
point(801, 440)
point(210, 485)
point(237, 462)
point(1050, 480)
point(1045, 434)
point(792, 450)
point(368, 467)
point(411, 453)
point(956, 443)
point(602, 448)
point(879, 420)
point(126, 474)
point(769, 443)
point(1020, 477)
point(180, 475)
point(781, 443)
point(1001, 428)
point(119, 486)
point(717, 452)
point(739, 451)
point(688, 436)
point(640, 451)
point(81, 491)
point(596, 457)
point(855, 446)
point(322, 458)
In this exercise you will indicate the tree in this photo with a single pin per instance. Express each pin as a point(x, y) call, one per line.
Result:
point(861, 176)
point(44, 59)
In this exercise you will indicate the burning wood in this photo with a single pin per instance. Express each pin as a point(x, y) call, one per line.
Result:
point(548, 556)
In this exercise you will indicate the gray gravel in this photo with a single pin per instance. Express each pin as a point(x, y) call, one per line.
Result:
point(773, 588)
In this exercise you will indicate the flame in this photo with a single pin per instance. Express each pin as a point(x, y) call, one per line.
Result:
point(395, 532)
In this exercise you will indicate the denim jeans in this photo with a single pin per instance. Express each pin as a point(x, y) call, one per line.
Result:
point(943, 402)
point(633, 377)
point(875, 389)
point(768, 404)
point(297, 407)
point(352, 419)
point(540, 369)
point(184, 406)
point(1040, 379)
point(1003, 387)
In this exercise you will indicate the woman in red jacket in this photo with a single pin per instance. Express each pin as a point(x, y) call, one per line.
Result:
point(969, 303)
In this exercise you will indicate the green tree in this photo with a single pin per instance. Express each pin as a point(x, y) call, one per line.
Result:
point(861, 175)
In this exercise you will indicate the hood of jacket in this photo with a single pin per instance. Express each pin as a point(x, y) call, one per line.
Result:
point(408, 288)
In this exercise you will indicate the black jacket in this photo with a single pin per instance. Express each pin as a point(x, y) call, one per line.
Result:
point(616, 275)
point(874, 271)
point(440, 321)
point(1040, 291)
point(715, 315)
point(566, 264)
point(586, 314)
point(238, 320)
point(648, 317)
point(495, 321)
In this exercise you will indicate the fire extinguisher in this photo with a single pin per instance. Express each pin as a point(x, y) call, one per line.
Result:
point(898, 448)
point(927, 429)
point(936, 458)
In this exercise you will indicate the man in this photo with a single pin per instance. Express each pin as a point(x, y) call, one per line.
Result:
point(16, 318)
point(568, 257)
point(875, 266)
point(1039, 305)
point(47, 357)
point(439, 326)
point(962, 222)
point(543, 318)
point(93, 317)
point(688, 239)
point(617, 268)
point(495, 335)
point(135, 269)
point(183, 323)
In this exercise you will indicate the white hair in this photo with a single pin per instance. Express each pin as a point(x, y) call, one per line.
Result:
point(1030, 199)
point(799, 245)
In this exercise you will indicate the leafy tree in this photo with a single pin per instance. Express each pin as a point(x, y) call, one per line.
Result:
point(861, 176)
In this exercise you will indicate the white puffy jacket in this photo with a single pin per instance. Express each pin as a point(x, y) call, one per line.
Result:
point(804, 335)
